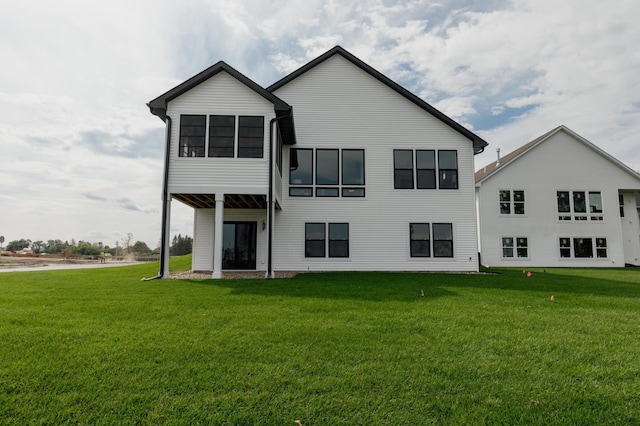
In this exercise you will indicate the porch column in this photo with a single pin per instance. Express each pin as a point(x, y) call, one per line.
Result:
point(217, 237)
point(166, 244)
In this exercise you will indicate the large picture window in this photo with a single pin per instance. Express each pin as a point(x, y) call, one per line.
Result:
point(572, 205)
point(192, 134)
point(334, 173)
point(424, 173)
point(316, 241)
point(431, 239)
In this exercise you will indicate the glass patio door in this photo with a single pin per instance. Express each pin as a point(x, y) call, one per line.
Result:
point(239, 245)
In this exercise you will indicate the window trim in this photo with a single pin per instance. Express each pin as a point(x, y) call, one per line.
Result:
point(571, 214)
point(433, 240)
point(599, 245)
point(438, 170)
point(515, 247)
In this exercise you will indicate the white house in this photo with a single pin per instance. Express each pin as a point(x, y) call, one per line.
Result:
point(558, 201)
point(367, 177)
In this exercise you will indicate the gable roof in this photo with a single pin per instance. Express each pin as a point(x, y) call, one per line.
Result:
point(478, 143)
point(493, 168)
point(158, 106)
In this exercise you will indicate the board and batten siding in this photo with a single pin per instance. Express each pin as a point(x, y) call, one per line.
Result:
point(337, 105)
point(221, 94)
point(558, 164)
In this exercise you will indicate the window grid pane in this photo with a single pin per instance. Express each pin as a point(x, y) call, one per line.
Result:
point(403, 168)
point(192, 134)
point(250, 136)
point(442, 240)
point(222, 131)
point(314, 240)
point(426, 169)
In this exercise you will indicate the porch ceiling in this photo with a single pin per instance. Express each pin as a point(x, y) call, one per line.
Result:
point(231, 201)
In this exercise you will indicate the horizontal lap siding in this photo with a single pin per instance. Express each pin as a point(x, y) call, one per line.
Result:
point(220, 95)
point(337, 105)
point(558, 164)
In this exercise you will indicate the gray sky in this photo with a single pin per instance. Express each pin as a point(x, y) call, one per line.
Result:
point(81, 156)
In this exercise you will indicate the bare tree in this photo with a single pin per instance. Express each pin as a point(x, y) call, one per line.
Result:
point(126, 242)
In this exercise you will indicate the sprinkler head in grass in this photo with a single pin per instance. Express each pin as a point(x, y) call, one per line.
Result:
point(421, 293)
point(524, 271)
point(553, 298)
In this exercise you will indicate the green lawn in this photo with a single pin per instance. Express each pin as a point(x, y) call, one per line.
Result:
point(102, 347)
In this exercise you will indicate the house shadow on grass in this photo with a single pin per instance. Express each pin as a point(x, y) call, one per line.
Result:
point(412, 287)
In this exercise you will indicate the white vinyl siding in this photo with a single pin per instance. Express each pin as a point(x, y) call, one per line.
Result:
point(561, 163)
point(339, 106)
point(220, 95)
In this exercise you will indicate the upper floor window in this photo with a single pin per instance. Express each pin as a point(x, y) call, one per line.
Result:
point(425, 173)
point(335, 172)
point(222, 136)
point(250, 136)
point(576, 202)
point(511, 202)
point(192, 135)
point(222, 133)
point(426, 240)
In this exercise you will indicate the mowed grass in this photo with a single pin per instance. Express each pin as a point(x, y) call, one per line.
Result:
point(102, 347)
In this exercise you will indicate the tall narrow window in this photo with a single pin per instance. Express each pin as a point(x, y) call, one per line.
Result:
point(301, 172)
point(338, 240)
point(442, 240)
point(621, 204)
point(518, 202)
point(420, 240)
point(192, 134)
point(565, 247)
point(505, 202)
point(403, 168)
point(352, 172)
point(601, 247)
point(327, 172)
point(579, 205)
point(250, 136)
point(314, 235)
point(507, 247)
point(448, 169)
point(222, 132)
point(522, 247)
point(564, 205)
point(426, 169)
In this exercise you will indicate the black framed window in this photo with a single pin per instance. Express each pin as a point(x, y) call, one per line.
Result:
point(222, 132)
point(327, 167)
point(518, 202)
point(316, 241)
point(192, 134)
point(420, 239)
point(315, 237)
point(334, 173)
point(448, 169)
point(505, 202)
point(426, 169)
point(250, 136)
point(564, 205)
point(338, 240)
point(403, 169)
point(442, 240)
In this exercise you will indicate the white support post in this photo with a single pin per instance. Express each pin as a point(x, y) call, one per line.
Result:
point(167, 241)
point(217, 237)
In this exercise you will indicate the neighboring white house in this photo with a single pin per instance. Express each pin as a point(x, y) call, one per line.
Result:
point(558, 201)
point(367, 177)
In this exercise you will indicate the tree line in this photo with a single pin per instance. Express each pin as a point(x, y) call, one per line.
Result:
point(179, 246)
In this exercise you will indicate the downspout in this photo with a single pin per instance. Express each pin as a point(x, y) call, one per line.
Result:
point(271, 202)
point(165, 201)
